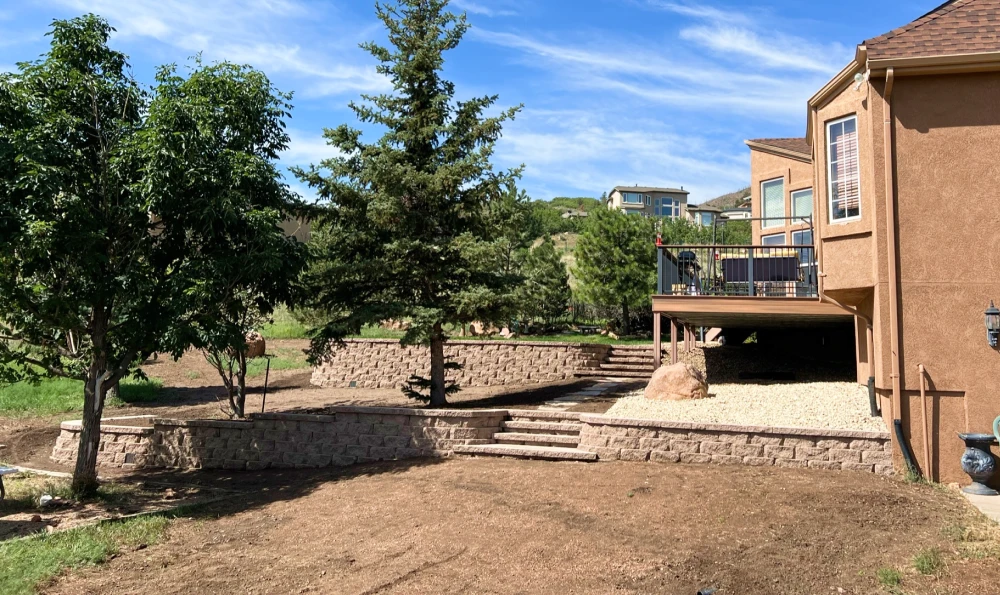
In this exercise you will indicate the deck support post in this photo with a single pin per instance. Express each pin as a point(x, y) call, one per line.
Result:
point(657, 344)
point(673, 341)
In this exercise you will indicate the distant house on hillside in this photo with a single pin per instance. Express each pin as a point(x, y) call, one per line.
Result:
point(649, 201)
point(703, 215)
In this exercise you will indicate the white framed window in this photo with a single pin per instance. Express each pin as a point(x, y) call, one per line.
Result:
point(802, 238)
point(772, 201)
point(843, 169)
point(631, 198)
point(777, 239)
point(802, 203)
point(647, 200)
point(706, 220)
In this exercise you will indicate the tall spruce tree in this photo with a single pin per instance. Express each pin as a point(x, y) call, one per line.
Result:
point(408, 214)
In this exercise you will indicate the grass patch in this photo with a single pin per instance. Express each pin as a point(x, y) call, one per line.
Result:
point(976, 537)
point(889, 577)
point(25, 564)
point(928, 561)
point(284, 326)
point(24, 490)
point(52, 396)
point(285, 358)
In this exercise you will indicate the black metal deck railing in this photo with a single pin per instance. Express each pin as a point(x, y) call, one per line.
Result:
point(717, 270)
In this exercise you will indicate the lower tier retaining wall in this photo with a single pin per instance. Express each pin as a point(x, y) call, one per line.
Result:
point(124, 442)
point(346, 436)
point(684, 442)
point(384, 363)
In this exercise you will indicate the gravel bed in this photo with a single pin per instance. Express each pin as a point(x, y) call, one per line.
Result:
point(831, 405)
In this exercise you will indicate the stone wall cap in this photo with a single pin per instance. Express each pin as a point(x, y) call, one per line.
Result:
point(597, 419)
point(381, 411)
point(489, 342)
point(202, 423)
point(77, 426)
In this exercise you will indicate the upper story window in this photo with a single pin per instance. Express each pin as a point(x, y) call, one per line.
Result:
point(706, 219)
point(772, 201)
point(802, 238)
point(843, 169)
point(632, 198)
point(667, 207)
point(802, 203)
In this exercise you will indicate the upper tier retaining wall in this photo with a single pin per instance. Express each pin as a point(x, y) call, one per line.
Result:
point(384, 363)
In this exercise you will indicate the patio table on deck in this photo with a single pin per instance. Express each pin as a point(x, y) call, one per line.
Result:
point(5, 471)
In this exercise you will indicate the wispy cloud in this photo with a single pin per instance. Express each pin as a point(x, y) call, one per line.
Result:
point(481, 8)
point(307, 148)
point(590, 153)
point(263, 33)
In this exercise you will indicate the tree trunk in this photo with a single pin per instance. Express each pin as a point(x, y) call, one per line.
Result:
point(626, 327)
point(85, 473)
point(438, 397)
point(239, 402)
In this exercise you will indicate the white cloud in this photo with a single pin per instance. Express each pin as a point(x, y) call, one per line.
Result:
point(481, 8)
point(274, 35)
point(591, 154)
point(307, 148)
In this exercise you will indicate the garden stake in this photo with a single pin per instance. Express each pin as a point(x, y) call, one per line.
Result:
point(267, 374)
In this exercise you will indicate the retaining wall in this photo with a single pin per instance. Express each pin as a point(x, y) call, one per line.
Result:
point(683, 442)
point(346, 436)
point(384, 363)
point(122, 446)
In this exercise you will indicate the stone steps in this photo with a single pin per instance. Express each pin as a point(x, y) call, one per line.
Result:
point(542, 427)
point(549, 453)
point(627, 367)
point(537, 439)
point(537, 415)
point(612, 374)
point(629, 359)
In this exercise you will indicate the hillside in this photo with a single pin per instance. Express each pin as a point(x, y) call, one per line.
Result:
point(731, 200)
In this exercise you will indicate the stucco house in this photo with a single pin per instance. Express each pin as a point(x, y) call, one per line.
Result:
point(905, 131)
point(649, 201)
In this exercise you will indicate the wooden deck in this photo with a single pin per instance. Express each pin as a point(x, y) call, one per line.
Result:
point(749, 312)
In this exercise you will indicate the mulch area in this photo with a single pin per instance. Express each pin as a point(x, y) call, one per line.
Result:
point(499, 526)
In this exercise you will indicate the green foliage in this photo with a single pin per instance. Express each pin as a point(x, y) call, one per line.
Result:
point(284, 325)
point(407, 229)
point(545, 293)
point(124, 210)
point(928, 561)
point(581, 202)
point(889, 577)
point(26, 564)
point(616, 261)
point(52, 396)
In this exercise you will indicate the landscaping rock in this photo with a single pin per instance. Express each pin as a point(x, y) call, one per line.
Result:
point(679, 382)
point(256, 346)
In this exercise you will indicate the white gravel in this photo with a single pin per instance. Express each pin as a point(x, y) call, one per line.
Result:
point(832, 405)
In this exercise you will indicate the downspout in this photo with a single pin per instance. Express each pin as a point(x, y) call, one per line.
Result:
point(890, 224)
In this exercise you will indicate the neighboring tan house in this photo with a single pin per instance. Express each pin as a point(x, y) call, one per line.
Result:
point(649, 201)
point(904, 132)
point(703, 215)
point(300, 229)
point(736, 213)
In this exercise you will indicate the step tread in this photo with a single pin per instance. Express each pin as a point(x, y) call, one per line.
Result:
point(640, 367)
point(543, 425)
point(612, 374)
point(503, 437)
point(528, 452)
point(532, 414)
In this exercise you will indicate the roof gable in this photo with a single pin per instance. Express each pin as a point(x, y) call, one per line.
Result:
point(956, 27)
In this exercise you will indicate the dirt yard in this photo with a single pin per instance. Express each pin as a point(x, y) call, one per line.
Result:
point(502, 526)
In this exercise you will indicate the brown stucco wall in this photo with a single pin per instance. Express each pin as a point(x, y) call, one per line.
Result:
point(947, 164)
point(797, 174)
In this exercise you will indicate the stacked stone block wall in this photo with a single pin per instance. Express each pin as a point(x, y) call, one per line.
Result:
point(121, 446)
point(347, 436)
point(384, 363)
point(682, 442)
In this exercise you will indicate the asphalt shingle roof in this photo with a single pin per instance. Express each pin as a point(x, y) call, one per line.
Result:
point(797, 145)
point(955, 27)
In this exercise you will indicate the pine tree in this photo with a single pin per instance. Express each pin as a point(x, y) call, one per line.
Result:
point(616, 261)
point(546, 292)
point(408, 214)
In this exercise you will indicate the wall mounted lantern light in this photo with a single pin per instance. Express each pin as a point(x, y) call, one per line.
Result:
point(992, 324)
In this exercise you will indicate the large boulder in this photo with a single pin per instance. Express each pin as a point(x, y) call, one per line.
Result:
point(678, 382)
point(256, 345)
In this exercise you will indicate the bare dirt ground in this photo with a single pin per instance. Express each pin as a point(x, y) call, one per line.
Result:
point(504, 526)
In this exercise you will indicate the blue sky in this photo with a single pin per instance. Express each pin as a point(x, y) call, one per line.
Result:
point(651, 92)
